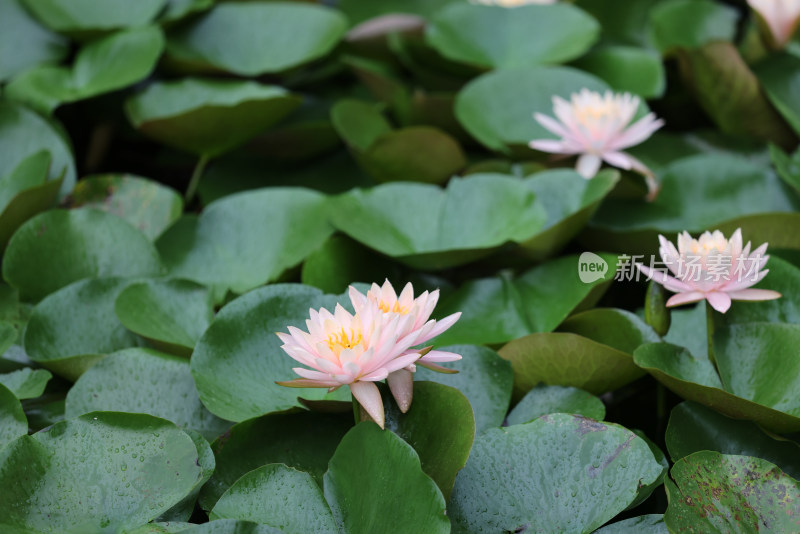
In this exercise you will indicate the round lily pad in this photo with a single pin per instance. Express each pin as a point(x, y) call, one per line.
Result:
point(85, 16)
point(59, 247)
point(586, 473)
point(103, 471)
point(26, 383)
point(543, 400)
point(32, 43)
point(13, 423)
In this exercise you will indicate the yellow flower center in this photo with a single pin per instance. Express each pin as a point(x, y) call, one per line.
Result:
point(596, 112)
point(339, 341)
point(396, 308)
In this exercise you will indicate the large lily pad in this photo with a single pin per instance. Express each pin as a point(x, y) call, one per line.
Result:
point(586, 473)
point(144, 381)
point(497, 108)
point(644, 524)
point(262, 494)
point(619, 329)
point(691, 24)
point(783, 277)
point(24, 133)
point(626, 68)
point(693, 427)
point(531, 35)
point(239, 359)
point(305, 441)
point(84, 16)
point(718, 493)
point(145, 204)
point(24, 43)
point(471, 218)
point(497, 310)
point(779, 75)
point(189, 114)
point(483, 377)
point(693, 377)
point(104, 65)
point(245, 240)
point(543, 400)
point(101, 471)
point(360, 499)
point(13, 423)
point(171, 313)
point(59, 247)
point(74, 327)
point(269, 37)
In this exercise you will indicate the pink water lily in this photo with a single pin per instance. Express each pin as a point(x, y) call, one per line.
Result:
point(596, 128)
point(417, 312)
point(350, 349)
point(711, 268)
point(780, 16)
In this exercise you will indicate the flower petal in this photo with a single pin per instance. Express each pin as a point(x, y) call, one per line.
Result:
point(719, 300)
point(369, 397)
point(685, 298)
point(401, 384)
point(754, 294)
point(588, 165)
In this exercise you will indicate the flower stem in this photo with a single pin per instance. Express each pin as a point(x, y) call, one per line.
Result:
point(191, 189)
point(710, 334)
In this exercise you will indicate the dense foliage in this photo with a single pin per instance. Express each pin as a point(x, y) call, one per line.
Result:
point(182, 179)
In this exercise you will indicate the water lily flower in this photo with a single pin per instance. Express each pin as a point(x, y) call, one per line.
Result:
point(712, 268)
point(351, 349)
point(595, 127)
point(417, 323)
point(780, 16)
point(512, 3)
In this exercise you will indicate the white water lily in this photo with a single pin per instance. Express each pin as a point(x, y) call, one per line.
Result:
point(780, 16)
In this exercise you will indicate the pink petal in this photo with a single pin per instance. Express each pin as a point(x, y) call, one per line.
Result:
point(401, 384)
point(619, 159)
point(719, 300)
point(368, 396)
point(551, 124)
point(588, 165)
point(637, 132)
point(754, 294)
point(685, 298)
point(550, 145)
point(673, 284)
point(439, 356)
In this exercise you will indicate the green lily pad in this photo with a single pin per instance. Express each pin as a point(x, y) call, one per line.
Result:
point(787, 166)
point(586, 473)
point(694, 378)
point(59, 247)
point(144, 381)
point(627, 68)
point(26, 192)
point(439, 425)
point(270, 37)
point(220, 526)
point(26, 383)
point(358, 11)
point(714, 492)
point(220, 247)
point(543, 400)
point(451, 227)
point(107, 64)
point(691, 24)
point(262, 495)
point(73, 328)
point(644, 524)
point(531, 34)
point(172, 313)
point(779, 75)
point(619, 329)
point(305, 441)
point(24, 43)
point(569, 201)
point(497, 108)
point(362, 502)
point(497, 310)
point(708, 191)
point(784, 278)
point(238, 360)
point(189, 114)
point(25, 133)
point(81, 16)
point(179, 9)
point(101, 471)
point(145, 204)
point(693, 427)
point(627, 23)
point(483, 377)
point(13, 423)
point(185, 508)
point(566, 359)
